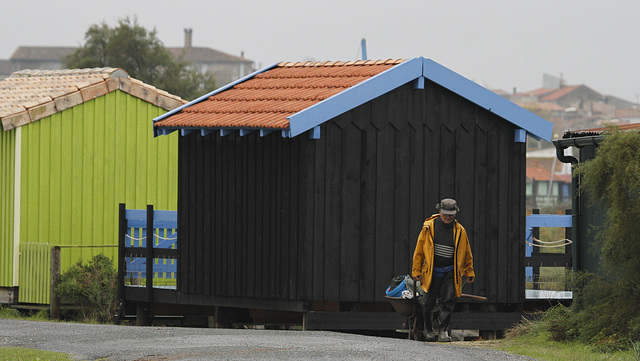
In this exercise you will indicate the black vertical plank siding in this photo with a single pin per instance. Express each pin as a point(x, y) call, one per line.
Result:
point(306, 254)
point(272, 206)
point(216, 163)
point(237, 222)
point(241, 265)
point(503, 215)
point(401, 195)
point(192, 197)
point(319, 209)
point(446, 173)
point(350, 214)
point(433, 121)
point(478, 231)
point(516, 222)
point(183, 245)
point(278, 256)
point(296, 214)
point(227, 212)
point(286, 246)
point(207, 191)
point(418, 160)
point(335, 218)
point(250, 184)
point(399, 114)
point(258, 225)
point(493, 215)
point(385, 213)
point(333, 184)
point(368, 264)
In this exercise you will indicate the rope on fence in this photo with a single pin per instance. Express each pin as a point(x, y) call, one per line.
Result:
point(135, 239)
point(549, 244)
point(166, 239)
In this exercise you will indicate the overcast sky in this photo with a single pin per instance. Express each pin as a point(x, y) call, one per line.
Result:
point(500, 44)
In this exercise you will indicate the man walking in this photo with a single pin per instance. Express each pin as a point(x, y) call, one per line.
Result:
point(441, 258)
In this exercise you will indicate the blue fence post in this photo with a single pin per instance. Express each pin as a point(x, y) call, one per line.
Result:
point(122, 235)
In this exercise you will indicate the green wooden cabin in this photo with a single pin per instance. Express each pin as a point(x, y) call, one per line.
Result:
point(73, 145)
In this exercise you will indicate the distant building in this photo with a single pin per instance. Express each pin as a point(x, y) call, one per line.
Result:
point(548, 181)
point(574, 106)
point(226, 68)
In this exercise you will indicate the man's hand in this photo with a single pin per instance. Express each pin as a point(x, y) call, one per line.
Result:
point(416, 278)
point(470, 279)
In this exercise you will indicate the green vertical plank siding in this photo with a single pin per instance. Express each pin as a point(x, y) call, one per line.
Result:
point(77, 166)
point(7, 167)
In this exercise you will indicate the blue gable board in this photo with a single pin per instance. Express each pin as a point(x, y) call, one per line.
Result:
point(204, 97)
point(354, 96)
point(405, 72)
point(533, 124)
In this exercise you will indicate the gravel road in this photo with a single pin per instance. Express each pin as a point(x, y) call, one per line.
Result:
point(110, 342)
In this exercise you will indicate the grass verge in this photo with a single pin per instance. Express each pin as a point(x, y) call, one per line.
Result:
point(531, 339)
point(22, 354)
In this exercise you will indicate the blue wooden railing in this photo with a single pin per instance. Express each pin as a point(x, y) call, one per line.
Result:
point(148, 258)
point(545, 220)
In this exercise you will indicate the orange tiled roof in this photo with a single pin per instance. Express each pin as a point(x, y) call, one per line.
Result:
point(537, 92)
point(29, 95)
point(544, 175)
point(560, 92)
point(267, 99)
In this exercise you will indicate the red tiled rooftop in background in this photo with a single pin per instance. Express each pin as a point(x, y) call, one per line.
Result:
point(537, 92)
point(544, 175)
point(266, 100)
point(560, 93)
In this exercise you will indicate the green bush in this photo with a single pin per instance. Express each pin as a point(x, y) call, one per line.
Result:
point(603, 314)
point(9, 313)
point(93, 287)
point(559, 323)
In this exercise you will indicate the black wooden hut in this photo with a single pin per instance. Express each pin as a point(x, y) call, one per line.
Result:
point(303, 187)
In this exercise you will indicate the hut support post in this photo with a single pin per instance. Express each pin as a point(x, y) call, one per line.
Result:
point(54, 300)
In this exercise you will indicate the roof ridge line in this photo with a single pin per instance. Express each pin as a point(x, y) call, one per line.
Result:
point(300, 64)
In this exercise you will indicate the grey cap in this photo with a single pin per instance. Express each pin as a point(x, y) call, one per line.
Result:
point(448, 206)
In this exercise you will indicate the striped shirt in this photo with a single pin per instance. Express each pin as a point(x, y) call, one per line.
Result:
point(443, 244)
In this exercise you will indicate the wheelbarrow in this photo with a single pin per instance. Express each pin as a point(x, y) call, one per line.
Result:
point(411, 309)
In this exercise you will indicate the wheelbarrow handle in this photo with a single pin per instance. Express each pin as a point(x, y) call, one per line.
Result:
point(474, 297)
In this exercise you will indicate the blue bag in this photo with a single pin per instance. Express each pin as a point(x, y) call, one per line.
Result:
point(398, 284)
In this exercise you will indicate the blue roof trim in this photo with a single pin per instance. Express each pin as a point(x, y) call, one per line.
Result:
point(520, 136)
point(219, 90)
point(532, 123)
point(350, 98)
point(416, 69)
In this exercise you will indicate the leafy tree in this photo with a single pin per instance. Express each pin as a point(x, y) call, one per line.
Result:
point(604, 311)
point(613, 178)
point(131, 47)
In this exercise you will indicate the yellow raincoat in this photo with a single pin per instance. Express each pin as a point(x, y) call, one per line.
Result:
point(423, 255)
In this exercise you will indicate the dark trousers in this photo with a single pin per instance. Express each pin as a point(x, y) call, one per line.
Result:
point(442, 289)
